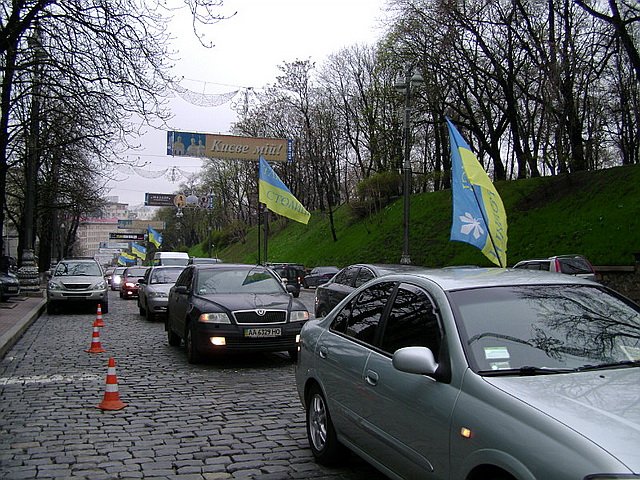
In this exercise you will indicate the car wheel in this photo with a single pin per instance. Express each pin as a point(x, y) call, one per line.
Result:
point(141, 310)
point(193, 356)
point(104, 308)
point(51, 308)
point(173, 338)
point(320, 432)
point(121, 295)
point(149, 315)
point(293, 354)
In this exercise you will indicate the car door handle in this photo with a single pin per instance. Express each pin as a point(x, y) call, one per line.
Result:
point(323, 351)
point(371, 378)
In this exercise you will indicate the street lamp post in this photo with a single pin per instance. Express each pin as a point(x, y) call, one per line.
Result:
point(405, 87)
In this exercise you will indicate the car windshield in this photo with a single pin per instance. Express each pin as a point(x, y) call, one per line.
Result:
point(165, 275)
point(88, 269)
point(546, 327)
point(257, 280)
point(136, 272)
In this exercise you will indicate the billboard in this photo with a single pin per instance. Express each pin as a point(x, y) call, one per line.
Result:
point(229, 147)
point(126, 236)
point(159, 199)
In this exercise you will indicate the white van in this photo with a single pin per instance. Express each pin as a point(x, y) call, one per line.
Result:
point(171, 258)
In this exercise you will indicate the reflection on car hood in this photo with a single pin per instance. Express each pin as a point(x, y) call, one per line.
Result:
point(161, 287)
point(603, 406)
point(234, 301)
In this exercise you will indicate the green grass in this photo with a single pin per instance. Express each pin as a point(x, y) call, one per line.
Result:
point(596, 214)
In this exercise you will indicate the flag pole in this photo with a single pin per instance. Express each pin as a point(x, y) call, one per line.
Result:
point(259, 211)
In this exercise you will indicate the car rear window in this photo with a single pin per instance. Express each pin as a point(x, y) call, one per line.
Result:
point(573, 266)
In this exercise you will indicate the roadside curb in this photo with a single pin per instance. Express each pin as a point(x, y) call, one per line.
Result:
point(11, 336)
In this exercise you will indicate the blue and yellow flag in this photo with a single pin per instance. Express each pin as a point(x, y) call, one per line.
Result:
point(479, 217)
point(277, 197)
point(154, 236)
point(126, 258)
point(139, 251)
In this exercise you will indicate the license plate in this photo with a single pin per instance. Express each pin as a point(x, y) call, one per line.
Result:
point(262, 332)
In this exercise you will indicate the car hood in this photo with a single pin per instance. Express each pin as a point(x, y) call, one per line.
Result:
point(161, 287)
point(603, 406)
point(234, 301)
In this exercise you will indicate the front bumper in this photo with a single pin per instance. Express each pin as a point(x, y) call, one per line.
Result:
point(77, 295)
point(236, 340)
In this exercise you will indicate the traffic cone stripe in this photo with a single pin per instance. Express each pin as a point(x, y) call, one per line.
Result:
point(111, 399)
point(96, 346)
point(99, 320)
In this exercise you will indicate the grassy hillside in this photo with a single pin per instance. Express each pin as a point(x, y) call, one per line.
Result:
point(596, 214)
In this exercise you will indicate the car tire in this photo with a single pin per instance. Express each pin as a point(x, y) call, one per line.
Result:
point(141, 310)
point(293, 354)
point(193, 356)
point(173, 338)
point(149, 315)
point(104, 308)
point(51, 308)
point(326, 448)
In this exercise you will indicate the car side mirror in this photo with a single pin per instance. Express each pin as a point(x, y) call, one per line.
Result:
point(291, 288)
point(142, 281)
point(181, 289)
point(417, 360)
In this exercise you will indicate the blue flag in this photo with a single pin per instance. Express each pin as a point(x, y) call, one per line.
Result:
point(277, 197)
point(479, 217)
point(154, 236)
point(139, 251)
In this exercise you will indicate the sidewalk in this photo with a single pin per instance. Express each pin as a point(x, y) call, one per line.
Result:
point(16, 316)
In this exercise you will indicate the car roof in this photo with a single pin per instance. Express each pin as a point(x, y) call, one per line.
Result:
point(381, 269)
point(452, 278)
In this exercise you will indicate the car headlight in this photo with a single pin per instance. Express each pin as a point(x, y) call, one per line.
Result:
point(158, 294)
point(100, 285)
point(299, 316)
point(214, 318)
point(54, 286)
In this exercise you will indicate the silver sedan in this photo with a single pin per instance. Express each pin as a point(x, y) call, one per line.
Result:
point(153, 293)
point(476, 374)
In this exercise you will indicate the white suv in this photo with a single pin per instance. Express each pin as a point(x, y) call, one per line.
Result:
point(77, 280)
point(570, 264)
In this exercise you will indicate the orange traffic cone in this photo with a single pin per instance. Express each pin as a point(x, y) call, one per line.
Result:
point(99, 321)
point(96, 347)
point(111, 399)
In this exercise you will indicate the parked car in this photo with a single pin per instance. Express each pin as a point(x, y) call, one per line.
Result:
point(476, 373)
point(232, 308)
point(129, 285)
point(329, 294)
point(570, 264)
point(292, 274)
point(116, 278)
point(9, 285)
point(153, 292)
point(77, 280)
point(319, 275)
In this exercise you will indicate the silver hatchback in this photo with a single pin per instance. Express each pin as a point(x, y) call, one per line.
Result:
point(77, 280)
point(476, 374)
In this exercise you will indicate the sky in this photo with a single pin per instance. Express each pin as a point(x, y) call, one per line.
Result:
point(249, 47)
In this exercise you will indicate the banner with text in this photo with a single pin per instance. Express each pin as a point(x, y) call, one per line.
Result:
point(229, 147)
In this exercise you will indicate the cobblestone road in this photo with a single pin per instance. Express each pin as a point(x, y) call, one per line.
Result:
point(229, 418)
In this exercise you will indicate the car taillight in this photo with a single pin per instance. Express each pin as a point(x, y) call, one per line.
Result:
point(558, 266)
